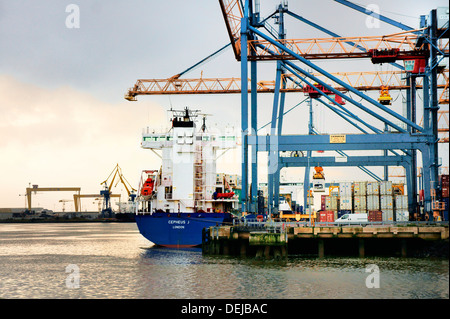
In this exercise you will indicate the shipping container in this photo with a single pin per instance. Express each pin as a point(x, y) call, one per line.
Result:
point(332, 203)
point(402, 216)
point(360, 188)
point(386, 188)
point(323, 202)
point(373, 188)
point(345, 189)
point(360, 211)
point(386, 202)
point(327, 216)
point(373, 202)
point(375, 216)
point(445, 212)
point(401, 202)
point(388, 215)
point(345, 203)
point(331, 216)
point(444, 178)
point(445, 191)
point(360, 203)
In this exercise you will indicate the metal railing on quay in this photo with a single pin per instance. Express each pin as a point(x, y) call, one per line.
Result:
point(280, 226)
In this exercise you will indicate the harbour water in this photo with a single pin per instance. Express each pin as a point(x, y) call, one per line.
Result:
point(112, 260)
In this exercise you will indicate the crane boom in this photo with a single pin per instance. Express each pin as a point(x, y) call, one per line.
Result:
point(363, 81)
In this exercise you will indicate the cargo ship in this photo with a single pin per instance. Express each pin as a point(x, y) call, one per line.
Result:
point(175, 202)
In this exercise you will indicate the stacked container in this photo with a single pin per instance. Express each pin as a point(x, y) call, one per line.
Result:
point(387, 200)
point(345, 196)
point(444, 180)
point(327, 216)
point(323, 202)
point(360, 204)
point(401, 208)
point(373, 188)
point(360, 189)
point(375, 216)
point(332, 203)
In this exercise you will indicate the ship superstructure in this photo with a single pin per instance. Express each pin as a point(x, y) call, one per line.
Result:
point(187, 184)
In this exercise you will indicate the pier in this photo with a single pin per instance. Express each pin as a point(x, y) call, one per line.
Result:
point(277, 240)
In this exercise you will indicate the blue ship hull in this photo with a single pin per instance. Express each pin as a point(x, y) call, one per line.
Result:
point(178, 230)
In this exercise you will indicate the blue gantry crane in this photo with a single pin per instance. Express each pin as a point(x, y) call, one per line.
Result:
point(421, 60)
point(253, 39)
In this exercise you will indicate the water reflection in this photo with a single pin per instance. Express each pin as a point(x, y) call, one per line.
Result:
point(116, 262)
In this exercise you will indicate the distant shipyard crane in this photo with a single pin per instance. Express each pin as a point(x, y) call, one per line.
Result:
point(106, 192)
point(36, 188)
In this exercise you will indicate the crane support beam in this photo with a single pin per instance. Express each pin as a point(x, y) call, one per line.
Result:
point(342, 142)
point(350, 161)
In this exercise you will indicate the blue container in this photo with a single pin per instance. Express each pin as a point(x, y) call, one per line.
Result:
point(446, 201)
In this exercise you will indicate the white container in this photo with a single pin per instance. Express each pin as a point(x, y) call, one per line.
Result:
point(388, 215)
point(360, 211)
point(373, 202)
point(360, 203)
point(402, 216)
point(386, 202)
point(345, 189)
point(401, 202)
point(360, 188)
point(332, 203)
point(386, 188)
point(373, 188)
point(345, 203)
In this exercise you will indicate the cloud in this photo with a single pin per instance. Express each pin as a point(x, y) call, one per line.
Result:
point(64, 137)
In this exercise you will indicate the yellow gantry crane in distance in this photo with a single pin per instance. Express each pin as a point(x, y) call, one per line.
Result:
point(36, 188)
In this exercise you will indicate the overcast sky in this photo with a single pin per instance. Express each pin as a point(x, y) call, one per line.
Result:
point(64, 121)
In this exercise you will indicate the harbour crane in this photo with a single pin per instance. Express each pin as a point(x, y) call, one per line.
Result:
point(420, 50)
point(106, 192)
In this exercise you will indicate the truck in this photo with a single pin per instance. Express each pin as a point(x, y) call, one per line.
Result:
point(352, 219)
